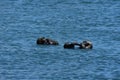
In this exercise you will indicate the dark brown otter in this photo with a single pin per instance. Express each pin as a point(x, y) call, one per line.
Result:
point(83, 45)
point(46, 41)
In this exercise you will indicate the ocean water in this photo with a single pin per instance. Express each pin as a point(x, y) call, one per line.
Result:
point(23, 21)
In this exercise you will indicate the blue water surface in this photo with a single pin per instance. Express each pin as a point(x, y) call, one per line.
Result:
point(23, 21)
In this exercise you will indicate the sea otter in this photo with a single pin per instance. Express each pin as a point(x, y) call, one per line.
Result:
point(46, 41)
point(82, 45)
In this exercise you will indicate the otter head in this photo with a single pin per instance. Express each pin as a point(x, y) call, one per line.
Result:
point(86, 45)
point(41, 40)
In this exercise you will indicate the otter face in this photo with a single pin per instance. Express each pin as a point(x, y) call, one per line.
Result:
point(86, 45)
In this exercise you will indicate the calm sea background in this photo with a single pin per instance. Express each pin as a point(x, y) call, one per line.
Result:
point(23, 21)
